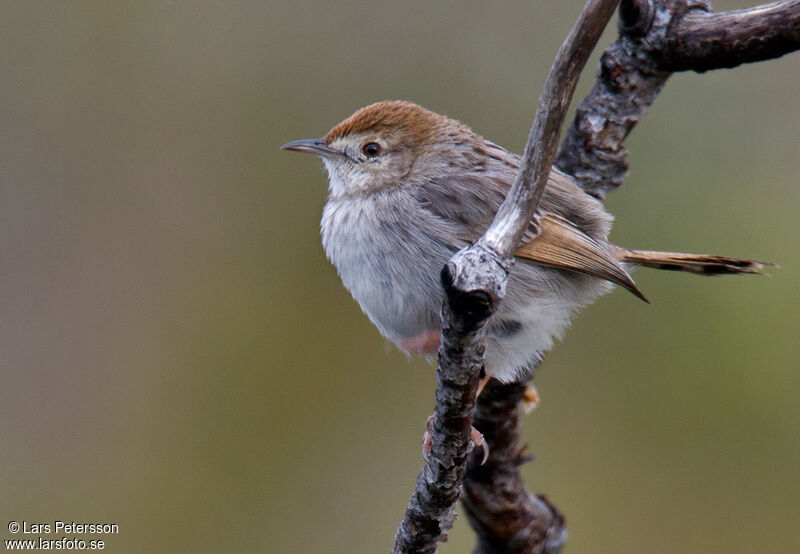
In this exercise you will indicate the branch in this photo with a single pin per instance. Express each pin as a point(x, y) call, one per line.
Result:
point(701, 41)
point(474, 282)
point(656, 38)
point(505, 515)
point(431, 510)
point(514, 216)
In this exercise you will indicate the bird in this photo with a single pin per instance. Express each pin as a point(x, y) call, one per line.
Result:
point(408, 187)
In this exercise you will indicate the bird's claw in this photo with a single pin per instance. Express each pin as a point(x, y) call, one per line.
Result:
point(474, 435)
point(479, 441)
point(426, 439)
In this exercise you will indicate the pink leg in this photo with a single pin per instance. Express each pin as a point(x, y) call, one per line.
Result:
point(475, 435)
point(481, 385)
point(427, 344)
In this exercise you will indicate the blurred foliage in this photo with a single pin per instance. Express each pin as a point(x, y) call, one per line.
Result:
point(179, 358)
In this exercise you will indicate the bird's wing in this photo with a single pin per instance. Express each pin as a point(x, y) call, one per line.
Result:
point(467, 202)
point(562, 245)
point(462, 202)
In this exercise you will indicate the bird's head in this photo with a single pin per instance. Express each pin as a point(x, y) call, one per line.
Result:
point(387, 144)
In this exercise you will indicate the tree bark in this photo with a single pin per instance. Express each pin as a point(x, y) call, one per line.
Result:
point(505, 515)
point(657, 38)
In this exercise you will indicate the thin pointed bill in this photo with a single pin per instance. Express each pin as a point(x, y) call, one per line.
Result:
point(312, 146)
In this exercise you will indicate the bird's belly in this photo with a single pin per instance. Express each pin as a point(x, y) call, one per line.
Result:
point(535, 313)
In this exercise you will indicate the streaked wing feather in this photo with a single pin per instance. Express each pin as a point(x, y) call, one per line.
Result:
point(561, 245)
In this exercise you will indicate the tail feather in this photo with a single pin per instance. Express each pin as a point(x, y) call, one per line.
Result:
point(701, 264)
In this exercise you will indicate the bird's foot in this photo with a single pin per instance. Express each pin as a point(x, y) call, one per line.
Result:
point(474, 434)
point(530, 398)
point(479, 441)
point(426, 439)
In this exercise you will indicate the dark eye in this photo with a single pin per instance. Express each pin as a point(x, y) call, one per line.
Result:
point(371, 149)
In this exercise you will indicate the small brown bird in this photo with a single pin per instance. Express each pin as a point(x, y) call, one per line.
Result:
point(409, 187)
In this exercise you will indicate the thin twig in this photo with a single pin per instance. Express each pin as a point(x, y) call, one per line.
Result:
point(514, 216)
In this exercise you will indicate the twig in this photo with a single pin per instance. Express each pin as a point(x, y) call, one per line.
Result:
point(514, 216)
point(474, 282)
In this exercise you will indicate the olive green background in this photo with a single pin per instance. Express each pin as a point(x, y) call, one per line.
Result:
point(178, 357)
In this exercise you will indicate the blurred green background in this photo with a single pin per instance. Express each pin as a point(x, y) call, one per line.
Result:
point(178, 357)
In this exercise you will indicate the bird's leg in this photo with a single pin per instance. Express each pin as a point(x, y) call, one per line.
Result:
point(474, 434)
point(426, 344)
point(426, 438)
point(479, 441)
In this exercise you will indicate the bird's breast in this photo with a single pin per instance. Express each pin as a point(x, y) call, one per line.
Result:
point(382, 248)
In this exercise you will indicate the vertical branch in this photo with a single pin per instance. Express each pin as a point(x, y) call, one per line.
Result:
point(505, 515)
point(656, 37)
point(431, 510)
point(474, 282)
point(514, 216)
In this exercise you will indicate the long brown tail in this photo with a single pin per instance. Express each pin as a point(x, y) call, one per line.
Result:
point(701, 264)
point(562, 245)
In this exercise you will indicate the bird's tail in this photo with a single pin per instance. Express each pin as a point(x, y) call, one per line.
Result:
point(702, 264)
point(561, 245)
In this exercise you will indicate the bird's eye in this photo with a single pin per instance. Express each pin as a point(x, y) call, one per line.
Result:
point(371, 149)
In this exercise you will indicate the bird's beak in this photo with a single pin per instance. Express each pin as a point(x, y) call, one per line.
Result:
point(312, 146)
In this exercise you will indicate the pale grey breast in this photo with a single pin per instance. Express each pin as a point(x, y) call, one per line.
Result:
point(385, 257)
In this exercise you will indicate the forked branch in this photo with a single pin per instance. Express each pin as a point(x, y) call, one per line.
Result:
point(474, 281)
point(656, 38)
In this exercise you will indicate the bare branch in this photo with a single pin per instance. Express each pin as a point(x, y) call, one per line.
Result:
point(703, 41)
point(431, 510)
point(656, 38)
point(506, 516)
point(474, 282)
point(514, 215)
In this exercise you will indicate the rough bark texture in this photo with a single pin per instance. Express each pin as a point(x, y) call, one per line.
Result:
point(506, 517)
point(701, 41)
point(656, 38)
